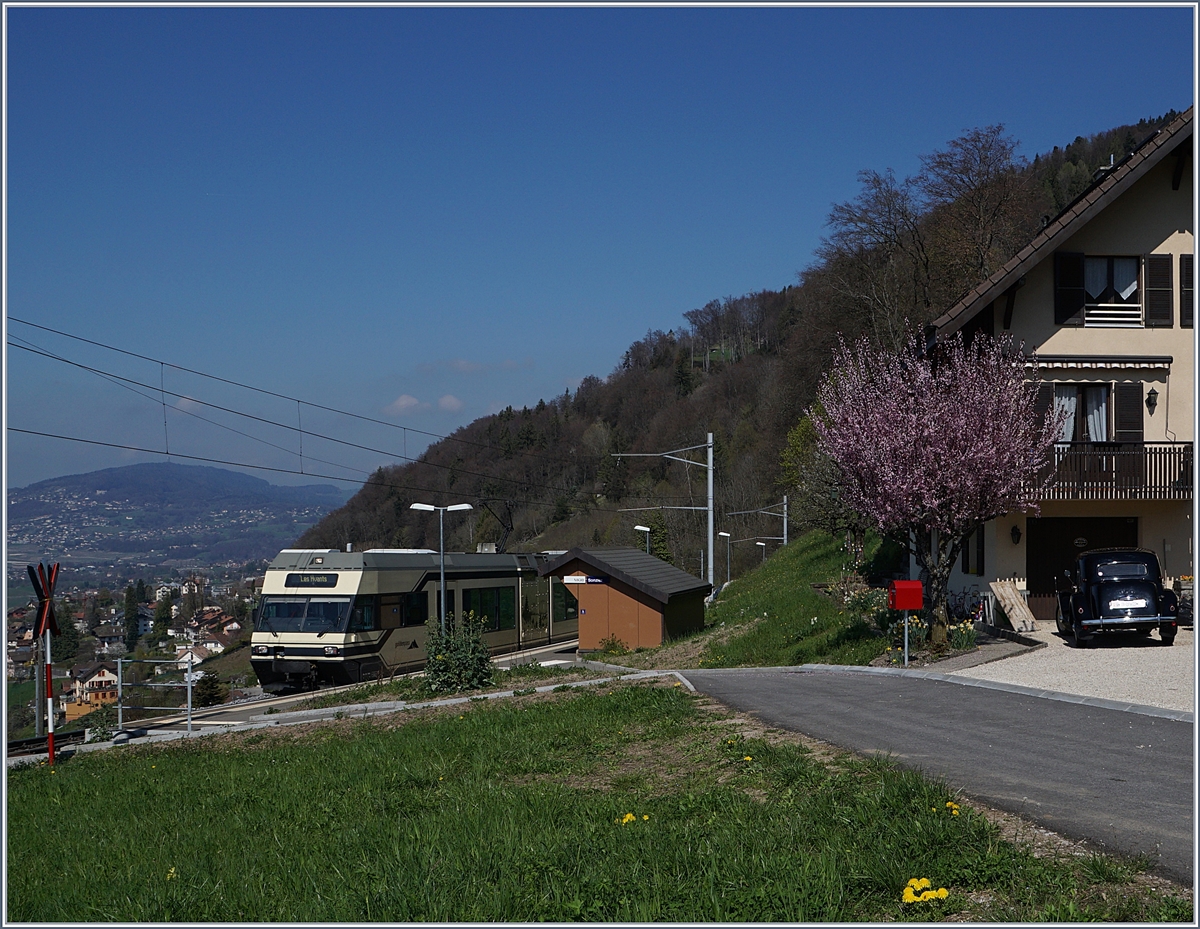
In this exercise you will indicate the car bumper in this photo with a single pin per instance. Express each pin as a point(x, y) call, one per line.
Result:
point(1128, 622)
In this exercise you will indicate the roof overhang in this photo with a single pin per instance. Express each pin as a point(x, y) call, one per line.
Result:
point(1169, 140)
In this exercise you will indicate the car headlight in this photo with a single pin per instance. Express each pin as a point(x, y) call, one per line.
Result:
point(332, 650)
point(261, 650)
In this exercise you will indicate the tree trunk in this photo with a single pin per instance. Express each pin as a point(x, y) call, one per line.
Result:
point(938, 561)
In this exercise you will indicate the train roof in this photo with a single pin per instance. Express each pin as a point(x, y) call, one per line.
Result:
point(331, 559)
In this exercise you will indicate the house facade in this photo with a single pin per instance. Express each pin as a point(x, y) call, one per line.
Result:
point(1104, 296)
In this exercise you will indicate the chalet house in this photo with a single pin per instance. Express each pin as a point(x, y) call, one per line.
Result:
point(197, 653)
point(1104, 296)
point(93, 686)
point(110, 640)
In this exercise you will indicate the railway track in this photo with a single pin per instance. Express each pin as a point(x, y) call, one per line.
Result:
point(38, 745)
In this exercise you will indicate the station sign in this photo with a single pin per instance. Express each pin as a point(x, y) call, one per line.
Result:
point(584, 579)
point(311, 580)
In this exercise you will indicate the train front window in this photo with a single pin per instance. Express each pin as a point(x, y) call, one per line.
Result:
point(303, 614)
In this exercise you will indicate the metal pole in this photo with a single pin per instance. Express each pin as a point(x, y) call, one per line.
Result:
point(442, 551)
point(39, 689)
point(189, 692)
point(49, 699)
point(728, 558)
point(120, 698)
point(710, 509)
point(906, 638)
point(785, 519)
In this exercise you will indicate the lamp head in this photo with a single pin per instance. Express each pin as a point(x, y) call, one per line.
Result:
point(642, 528)
point(723, 535)
point(459, 506)
point(422, 506)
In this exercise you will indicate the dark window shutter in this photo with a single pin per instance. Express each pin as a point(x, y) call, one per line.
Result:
point(1127, 412)
point(979, 551)
point(1186, 297)
point(1160, 303)
point(1045, 397)
point(966, 554)
point(1068, 289)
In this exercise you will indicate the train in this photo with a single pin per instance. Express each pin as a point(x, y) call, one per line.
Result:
point(330, 617)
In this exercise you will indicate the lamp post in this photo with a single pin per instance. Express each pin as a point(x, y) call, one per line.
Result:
point(763, 546)
point(645, 529)
point(728, 554)
point(441, 511)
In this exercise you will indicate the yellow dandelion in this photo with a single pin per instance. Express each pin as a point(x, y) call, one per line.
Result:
point(943, 893)
point(955, 812)
point(646, 817)
point(171, 875)
point(748, 758)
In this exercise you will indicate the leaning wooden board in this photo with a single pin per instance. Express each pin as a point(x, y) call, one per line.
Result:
point(1014, 606)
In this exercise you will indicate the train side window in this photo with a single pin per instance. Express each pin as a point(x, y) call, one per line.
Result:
point(414, 609)
point(365, 615)
point(390, 615)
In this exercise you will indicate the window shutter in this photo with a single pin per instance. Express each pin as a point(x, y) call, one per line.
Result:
point(966, 554)
point(1068, 289)
point(1041, 404)
point(1186, 298)
point(979, 551)
point(1127, 412)
point(1160, 303)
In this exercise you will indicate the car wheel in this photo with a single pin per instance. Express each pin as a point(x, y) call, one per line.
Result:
point(1064, 628)
point(1081, 640)
point(1168, 639)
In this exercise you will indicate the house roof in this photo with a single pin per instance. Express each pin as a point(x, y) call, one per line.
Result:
point(632, 566)
point(85, 672)
point(1165, 142)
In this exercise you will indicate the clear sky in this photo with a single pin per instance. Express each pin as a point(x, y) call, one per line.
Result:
point(424, 215)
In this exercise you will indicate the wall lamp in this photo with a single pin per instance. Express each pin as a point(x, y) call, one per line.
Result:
point(1016, 535)
point(1151, 400)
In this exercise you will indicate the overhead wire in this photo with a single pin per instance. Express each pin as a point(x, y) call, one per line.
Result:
point(123, 381)
point(271, 393)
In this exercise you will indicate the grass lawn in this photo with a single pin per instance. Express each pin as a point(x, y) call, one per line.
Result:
point(622, 803)
point(773, 616)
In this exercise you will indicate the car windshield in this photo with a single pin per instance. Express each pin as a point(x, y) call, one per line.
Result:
point(302, 614)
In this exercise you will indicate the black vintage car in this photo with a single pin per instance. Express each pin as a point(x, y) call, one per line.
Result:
point(1116, 589)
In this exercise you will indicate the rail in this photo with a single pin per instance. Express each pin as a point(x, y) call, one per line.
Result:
point(1122, 471)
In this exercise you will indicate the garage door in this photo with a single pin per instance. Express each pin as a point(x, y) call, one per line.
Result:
point(1054, 542)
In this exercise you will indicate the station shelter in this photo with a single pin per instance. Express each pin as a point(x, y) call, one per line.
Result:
point(630, 596)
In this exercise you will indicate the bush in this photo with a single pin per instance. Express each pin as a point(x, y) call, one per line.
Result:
point(459, 659)
point(613, 646)
point(208, 691)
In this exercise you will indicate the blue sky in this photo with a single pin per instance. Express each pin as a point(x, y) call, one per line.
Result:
point(424, 215)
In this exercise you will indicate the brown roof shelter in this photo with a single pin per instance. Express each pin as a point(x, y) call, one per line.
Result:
point(628, 595)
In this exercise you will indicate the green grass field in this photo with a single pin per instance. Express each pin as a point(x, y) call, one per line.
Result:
point(624, 803)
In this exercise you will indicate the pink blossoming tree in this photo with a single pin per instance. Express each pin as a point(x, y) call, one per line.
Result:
point(929, 449)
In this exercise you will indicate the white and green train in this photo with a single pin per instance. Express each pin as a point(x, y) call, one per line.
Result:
point(333, 617)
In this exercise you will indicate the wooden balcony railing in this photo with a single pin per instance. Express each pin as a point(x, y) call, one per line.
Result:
point(1122, 471)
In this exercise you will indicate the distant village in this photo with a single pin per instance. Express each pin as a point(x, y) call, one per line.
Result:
point(173, 623)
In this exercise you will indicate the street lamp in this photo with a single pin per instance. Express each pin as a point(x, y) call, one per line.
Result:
point(728, 553)
point(645, 529)
point(441, 511)
point(763, 546)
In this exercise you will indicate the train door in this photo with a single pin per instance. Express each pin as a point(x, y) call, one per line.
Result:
point(564, 612)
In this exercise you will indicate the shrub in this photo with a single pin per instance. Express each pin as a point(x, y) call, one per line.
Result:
point(209, 691)
point(613, 646)
point(459, 659)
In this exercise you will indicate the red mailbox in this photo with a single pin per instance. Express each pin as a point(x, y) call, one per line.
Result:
point(905, 595)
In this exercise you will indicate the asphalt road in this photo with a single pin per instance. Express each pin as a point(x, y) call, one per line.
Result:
point(1121, 780)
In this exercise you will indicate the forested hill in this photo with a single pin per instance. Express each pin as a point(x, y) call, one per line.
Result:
point(744, 368)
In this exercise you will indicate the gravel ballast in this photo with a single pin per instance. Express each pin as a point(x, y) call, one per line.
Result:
point(1121, 667)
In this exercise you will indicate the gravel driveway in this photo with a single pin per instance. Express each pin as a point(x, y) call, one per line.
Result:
point(1126, 667)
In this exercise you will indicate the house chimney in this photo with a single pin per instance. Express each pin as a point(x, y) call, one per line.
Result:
point(349, 546)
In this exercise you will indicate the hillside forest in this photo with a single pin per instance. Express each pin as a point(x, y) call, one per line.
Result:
point(742, 367)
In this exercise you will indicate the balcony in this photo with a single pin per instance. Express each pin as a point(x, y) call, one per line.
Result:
point(1122, 471)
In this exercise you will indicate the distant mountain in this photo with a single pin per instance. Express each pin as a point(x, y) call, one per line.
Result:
point(162, 513)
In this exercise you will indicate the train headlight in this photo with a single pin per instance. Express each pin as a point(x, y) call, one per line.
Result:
point(332, 650)
point(261, 650)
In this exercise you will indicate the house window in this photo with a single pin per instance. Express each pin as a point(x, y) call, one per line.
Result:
point(1099, 412)
point(1086, 409)
point(1113, 291)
